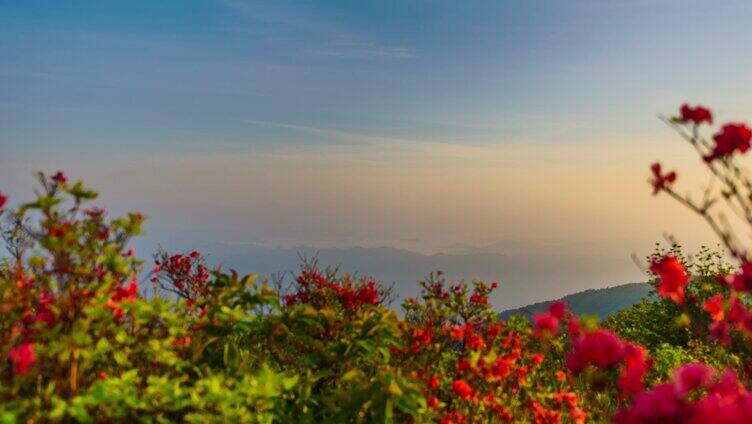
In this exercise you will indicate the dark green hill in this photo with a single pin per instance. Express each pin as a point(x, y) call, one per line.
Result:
point(599, 302)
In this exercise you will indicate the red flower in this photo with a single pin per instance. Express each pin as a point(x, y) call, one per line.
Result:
point(714, 306)
point(126, 293)
point(475, 342)
point(44, 314)
point(462, 389)
point(537, 358)
point(479, 299)
point(122, 294)
point(22, 357)
point(433, 383)
point(463, 365)
point(433, 402)
point(457, 332)
point(697, 114)
point(500, 368)
point(661, 181)
point(452, 418)
point(731, 137)
point(60, 178)
point(493, 331)
point(368, 294)
point(3, 199)
point(672, 278)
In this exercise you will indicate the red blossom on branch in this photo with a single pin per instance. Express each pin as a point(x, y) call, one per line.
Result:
point(731, 138)
point(59, 178)
point(661, 181)
point(697, 114)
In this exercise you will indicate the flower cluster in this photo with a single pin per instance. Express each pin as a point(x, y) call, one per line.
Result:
point(475, 367)
point(731, 138)
point(604, 350)
point(185, 275)
point(315, 288)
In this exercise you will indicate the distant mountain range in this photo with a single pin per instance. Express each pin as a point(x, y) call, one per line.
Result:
point(524, 277)
point(599, 302)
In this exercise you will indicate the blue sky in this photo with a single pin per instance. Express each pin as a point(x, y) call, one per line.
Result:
point(408, 123)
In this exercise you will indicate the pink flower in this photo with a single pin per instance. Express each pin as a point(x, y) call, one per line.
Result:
point(600, 348)
point(3, 199)
point(721, 332)
point(558, 309)
point(738, 314)
point(546, 324)
point(22, 357)
point(636, 366)
point(660, 405)
point(742, 282)
point(573, 327)
point(692, 377)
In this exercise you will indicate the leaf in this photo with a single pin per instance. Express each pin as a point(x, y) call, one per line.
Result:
point(231, 356)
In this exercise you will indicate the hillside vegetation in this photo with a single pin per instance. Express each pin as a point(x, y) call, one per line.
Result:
point(597, 302)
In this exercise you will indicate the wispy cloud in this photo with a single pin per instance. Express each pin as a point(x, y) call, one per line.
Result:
point(362, 50)
point(347, 136)
point(323, 37)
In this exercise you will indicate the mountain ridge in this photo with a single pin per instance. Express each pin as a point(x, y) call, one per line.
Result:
point(601, 302)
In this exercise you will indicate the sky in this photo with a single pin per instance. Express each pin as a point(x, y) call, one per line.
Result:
point(412, 124)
